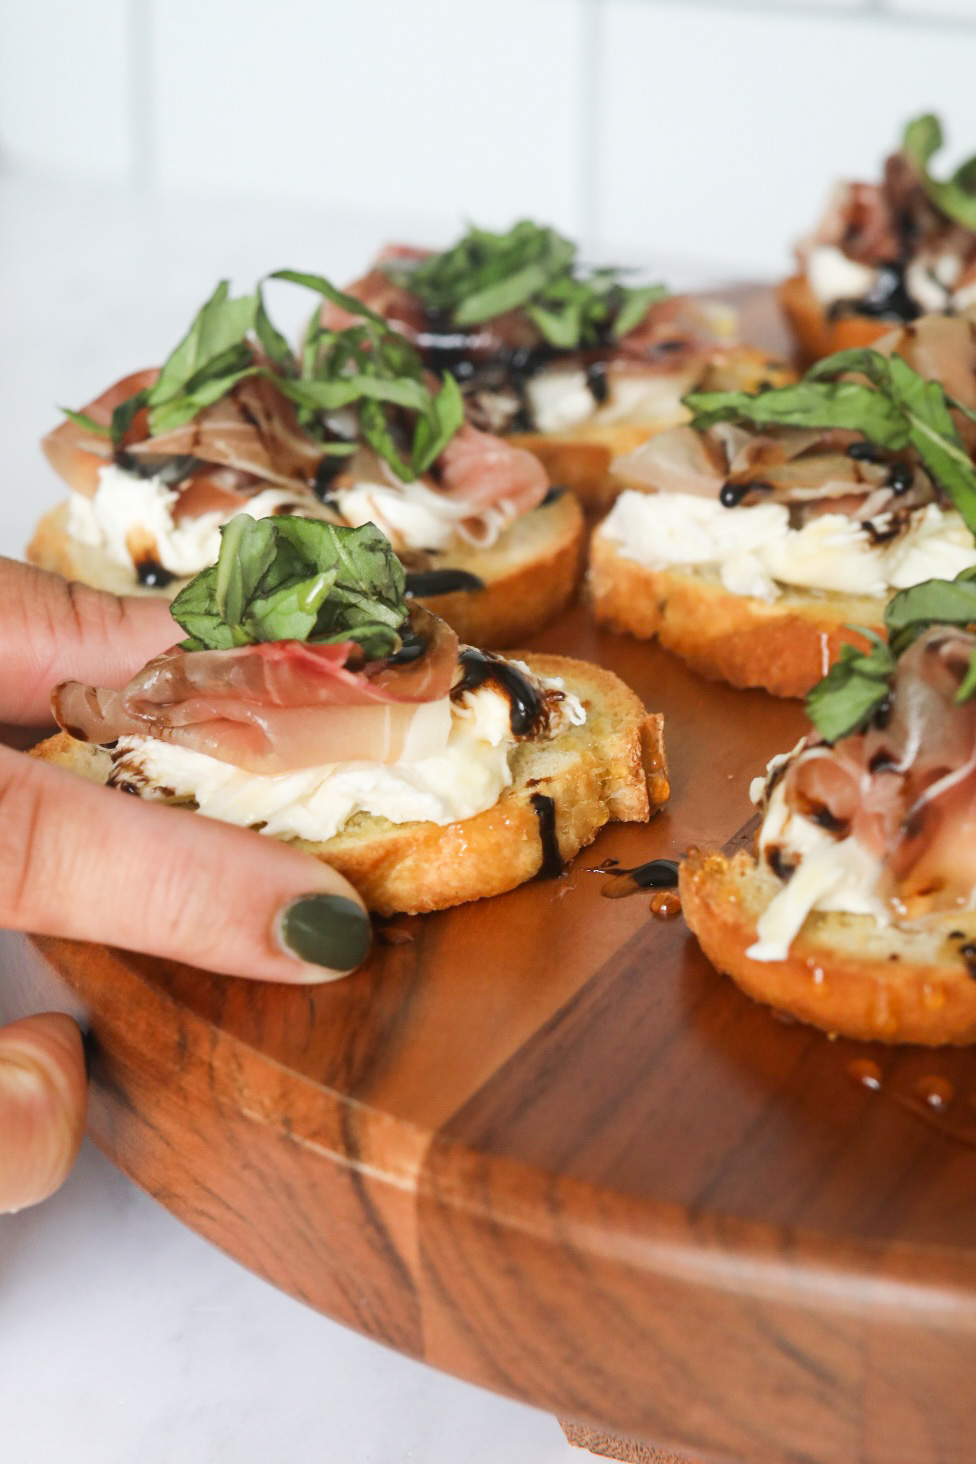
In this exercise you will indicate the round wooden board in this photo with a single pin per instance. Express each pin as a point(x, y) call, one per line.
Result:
point(541, 1144)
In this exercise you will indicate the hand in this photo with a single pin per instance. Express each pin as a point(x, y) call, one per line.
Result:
point(81, 861)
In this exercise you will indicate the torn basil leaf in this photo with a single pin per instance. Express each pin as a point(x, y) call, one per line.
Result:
point(286, 578)
point(853, 689)
point(956, 196)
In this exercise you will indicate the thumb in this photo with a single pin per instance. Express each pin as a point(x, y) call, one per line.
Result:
point(42, 1107)
point(88, 862)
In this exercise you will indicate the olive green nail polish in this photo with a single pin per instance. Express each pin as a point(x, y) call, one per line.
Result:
point(326, 930)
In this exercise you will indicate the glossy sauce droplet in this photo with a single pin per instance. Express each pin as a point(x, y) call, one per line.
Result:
point(934, 1091)
point(666, 904)
point(866, 1073)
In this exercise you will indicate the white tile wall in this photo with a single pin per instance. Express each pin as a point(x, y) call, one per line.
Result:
point(384, 106)
point(721, 128)
point(705, 130)
point(64, 86)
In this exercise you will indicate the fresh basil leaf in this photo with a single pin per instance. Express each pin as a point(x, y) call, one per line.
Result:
point(636, 304)
point(324, 287)
point(273, 343)
point(220, 323)
point(82, 419)
point(845, 404)
point(956, 197)
point(125, 413)
point(853, 689)
point(561, 328)
point(172, 414)
point(934, 602)
point(507, 294)
point(288, 578)
point(435, 429)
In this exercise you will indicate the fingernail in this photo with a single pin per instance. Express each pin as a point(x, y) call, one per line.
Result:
point(326, 930)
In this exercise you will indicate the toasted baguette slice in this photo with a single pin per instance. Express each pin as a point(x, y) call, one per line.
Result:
point(816, 334)
point(613, 767)
point(529, 576)
point(844, 973)
point(785, 647)
point(580, 457)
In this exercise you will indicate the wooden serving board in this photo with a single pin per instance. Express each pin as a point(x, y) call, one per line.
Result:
point(540, 1143)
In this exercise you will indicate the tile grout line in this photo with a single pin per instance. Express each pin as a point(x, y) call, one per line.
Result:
point(142, 158)
point(588, 123)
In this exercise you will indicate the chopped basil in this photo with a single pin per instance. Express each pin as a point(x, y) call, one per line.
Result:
point(894, 407)
point(286, 578)
point(530, 268)
point(371, 368)
point(956, 196)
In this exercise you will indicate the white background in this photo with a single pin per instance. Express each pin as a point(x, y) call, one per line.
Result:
point(148, 147)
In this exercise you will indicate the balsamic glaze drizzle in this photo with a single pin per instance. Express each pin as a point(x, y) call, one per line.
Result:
point(552, 861)
point(527, 704)
point(152, 574)
point(656, 874)
point(441, 582)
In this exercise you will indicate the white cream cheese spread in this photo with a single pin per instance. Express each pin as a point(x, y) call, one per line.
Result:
point(559, 398)
point(931, 281)
point(128, 509)
point(754, 551)
point(466, 776)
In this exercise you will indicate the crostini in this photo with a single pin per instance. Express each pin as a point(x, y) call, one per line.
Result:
point(351, 429)
point(574, 363)
point(751, 541)
point(885, 253)
point(312, 702)
point(857, 912)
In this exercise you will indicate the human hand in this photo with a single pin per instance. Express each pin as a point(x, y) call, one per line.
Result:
point(81, 861)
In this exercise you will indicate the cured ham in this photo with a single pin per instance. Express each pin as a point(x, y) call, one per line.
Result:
point(905, 788)
point(78, 455)
point(276, 707)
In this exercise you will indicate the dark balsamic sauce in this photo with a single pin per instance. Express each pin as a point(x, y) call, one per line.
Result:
point(151, 573)
point(865, 452)
point(552, 861)
point(329, 467)
point(656, 874)
point(527, 705)
point(968, 953)
point(412, 647)
point(596, 381)
point(556, 492)
point(900, 478)
point(442, 581)
point(889, 299)
point(732, 494)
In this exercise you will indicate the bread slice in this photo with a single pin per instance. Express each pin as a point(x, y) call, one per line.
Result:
point(785, 647)
point(529, 575)
point(613, 767)
point(816, 334)
point(580, 458)
point(844, 973)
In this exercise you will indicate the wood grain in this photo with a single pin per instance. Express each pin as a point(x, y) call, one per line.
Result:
point(540, 1143)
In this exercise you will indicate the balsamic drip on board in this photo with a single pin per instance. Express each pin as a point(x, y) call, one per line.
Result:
point(656, 874)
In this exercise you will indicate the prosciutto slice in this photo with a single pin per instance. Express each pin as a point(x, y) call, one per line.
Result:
point(276, 707)
point(906, 787)
point(78, 455)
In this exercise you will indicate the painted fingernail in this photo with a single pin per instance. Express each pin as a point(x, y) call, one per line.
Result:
point(326, 930)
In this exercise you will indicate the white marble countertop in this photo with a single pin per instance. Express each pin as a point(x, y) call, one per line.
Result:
point(123, 1336)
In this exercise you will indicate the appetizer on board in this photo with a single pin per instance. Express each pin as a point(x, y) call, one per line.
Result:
point(312, 702)
point(885, 253)
point(857, 912)
point(351, 429)
point(754, 539)
point(574, 363)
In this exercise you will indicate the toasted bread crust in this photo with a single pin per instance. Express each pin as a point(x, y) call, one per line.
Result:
point(784, 647)
point(529, 576)
point(844, 973)
point(816, 334)
point(581, 457)
point(611, 768)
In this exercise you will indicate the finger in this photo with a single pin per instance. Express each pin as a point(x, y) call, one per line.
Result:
point(80, 860)
point(42, 1107)
point(52, 630)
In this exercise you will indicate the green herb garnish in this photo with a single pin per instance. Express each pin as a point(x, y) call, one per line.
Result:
point(955, 196)
point(530, 268)
point(287, 578)
point(853, 689)
point(895, 408)
point(379, 374)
